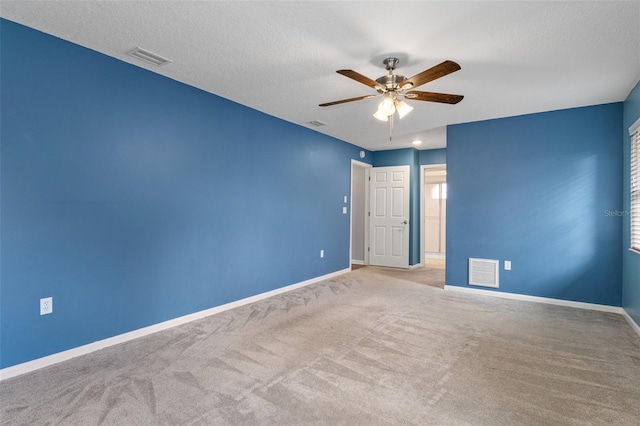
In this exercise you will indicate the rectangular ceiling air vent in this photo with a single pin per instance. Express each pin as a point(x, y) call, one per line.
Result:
point(317, 123)
point(149, 57)
point(483, 272)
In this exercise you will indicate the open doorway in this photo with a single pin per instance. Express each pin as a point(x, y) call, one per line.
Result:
point(433, 212)
point(359, 255)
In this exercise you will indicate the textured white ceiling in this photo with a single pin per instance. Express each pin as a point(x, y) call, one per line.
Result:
point(281, 57)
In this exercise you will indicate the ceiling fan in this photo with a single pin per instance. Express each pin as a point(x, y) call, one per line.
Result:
point(393, 86)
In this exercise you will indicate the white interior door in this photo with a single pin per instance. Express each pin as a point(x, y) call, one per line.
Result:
point(389, 221)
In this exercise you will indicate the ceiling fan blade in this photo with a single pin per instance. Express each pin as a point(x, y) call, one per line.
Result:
point(444, 98)
point(359, 98)
point(361, 78)
point(440, 70)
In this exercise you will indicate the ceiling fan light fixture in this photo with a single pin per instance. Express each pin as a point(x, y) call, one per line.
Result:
point(381, 115)
point(387, 106)
point(403, 108)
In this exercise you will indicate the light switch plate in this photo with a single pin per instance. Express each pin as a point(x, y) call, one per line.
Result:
point(345, 199)
point(344, 210)
point(507, 265)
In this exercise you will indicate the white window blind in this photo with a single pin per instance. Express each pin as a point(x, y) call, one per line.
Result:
point(635, 190)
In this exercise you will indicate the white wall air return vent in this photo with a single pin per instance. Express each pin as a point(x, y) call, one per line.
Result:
point(317, 123)
point(484, 272)
point(148, 57)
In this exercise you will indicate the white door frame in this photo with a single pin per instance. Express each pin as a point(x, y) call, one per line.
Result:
point(422, 198)
point(367, 172)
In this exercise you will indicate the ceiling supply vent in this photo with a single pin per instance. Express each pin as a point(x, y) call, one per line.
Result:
point(484, 272)
point(317, 123)
point(149, 57)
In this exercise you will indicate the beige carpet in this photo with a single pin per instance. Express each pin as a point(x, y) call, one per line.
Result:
point(368, 348)
point(432, 274)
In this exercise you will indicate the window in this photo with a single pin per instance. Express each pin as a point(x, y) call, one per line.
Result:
point(635, 188)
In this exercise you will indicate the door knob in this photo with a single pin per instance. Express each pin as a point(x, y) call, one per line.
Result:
point(405, 222)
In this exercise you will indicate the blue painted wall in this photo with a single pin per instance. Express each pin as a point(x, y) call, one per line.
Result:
point(539, 190)
point(433, 156)
point(132, 199)
point(631, 261)
point(406, 157)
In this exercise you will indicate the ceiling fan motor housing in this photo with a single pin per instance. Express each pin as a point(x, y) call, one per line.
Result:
point(391, 82)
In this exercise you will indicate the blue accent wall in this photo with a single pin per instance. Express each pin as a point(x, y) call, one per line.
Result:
point(542, 191)
point(630, 260)
point(132, 199)
point(406, 157)
point(433, 156)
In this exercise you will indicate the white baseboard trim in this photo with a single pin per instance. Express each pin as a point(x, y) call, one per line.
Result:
point(417, 265)
point(357, 262)
point(435, 256)
point(631, 322)
point(537, 299)
point(46, 361)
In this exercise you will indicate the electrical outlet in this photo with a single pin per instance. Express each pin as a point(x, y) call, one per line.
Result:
point(46, 305)
point(321, 253)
